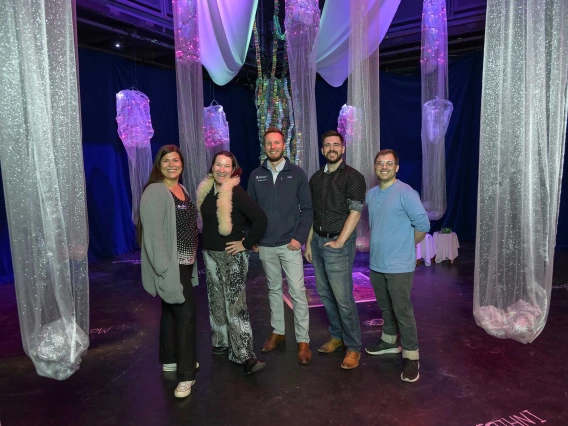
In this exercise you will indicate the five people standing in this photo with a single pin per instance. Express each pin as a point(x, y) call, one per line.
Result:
point(282, 211)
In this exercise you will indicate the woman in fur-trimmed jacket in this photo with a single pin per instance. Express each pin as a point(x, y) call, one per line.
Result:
point(226, 209)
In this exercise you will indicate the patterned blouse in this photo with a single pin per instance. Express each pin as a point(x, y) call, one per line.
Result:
point(186, 229)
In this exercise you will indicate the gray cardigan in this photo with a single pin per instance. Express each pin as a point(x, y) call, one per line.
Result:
point(159, 259)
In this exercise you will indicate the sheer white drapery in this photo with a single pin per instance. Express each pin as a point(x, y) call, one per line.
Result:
point(302, 24)
point(363, 95)
point(215, 131)
point(436, 108)
point(333, 38)
point(135, 130)
point(225, 28)
point(523, 132)
point(44, 184)
point(189, 83)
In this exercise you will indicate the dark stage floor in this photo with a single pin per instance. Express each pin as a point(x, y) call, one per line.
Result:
point(466, 377)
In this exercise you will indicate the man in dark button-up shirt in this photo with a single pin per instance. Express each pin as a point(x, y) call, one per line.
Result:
point(338, 193)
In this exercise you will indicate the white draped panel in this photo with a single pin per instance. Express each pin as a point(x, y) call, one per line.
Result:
point(189, 83)
point(333, 38)
point(225, 28)
point(363, 96)
point(523, 132)
point(302, 23)
point(44, 183)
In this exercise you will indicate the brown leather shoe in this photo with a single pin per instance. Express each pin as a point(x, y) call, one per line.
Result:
point(330, 346)
point(351, 360)
point(273, 341)
point(304, 353)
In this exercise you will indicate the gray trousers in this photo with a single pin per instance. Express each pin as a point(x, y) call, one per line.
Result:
point(393, 297)
point(274, 260)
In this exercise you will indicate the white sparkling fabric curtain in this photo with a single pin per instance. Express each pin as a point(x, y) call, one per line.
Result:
point(44, 184)
point(363, 95)
point(189, 83)
point(135, 131)
point(523, 133)
point(225, 28)
point(302, 24)
point(333, 38)
point(436, 108)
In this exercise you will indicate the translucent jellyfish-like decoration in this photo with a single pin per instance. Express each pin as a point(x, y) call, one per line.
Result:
point(302, 26)
point(436, 109)
point(215, 130)
point(346, 124)
point(521, 153)
point(135, 131)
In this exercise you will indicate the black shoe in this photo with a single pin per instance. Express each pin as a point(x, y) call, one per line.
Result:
point(382, 348)
point(410, 372)
point(252, 365)
point(220, 350)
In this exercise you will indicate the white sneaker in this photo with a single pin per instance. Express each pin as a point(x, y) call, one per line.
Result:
point(183, 389)
point(173, 367)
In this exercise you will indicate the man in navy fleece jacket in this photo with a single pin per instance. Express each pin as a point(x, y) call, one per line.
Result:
point(281, 189)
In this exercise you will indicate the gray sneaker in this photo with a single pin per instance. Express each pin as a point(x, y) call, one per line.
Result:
point(382, 348)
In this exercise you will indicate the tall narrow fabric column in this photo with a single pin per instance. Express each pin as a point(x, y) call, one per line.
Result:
point(523, 132)
point(44, 183)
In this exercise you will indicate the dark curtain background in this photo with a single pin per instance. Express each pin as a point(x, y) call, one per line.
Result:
point(106, 168)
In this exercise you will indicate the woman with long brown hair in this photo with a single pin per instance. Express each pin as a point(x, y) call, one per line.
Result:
point(167, 232)
point(226, 209)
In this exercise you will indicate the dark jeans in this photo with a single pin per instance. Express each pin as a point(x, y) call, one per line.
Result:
point(178, 328)
point(393, 297)
point(334, 282)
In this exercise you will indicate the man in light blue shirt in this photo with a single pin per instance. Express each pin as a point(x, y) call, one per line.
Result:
point(398, 222)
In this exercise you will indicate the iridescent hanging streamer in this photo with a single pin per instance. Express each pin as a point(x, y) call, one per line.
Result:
point(273, 102)
point(523, 134)
point(302, 25)
point(135, 131)
point(215, 131)
point(436, 108)
point(363, 95)
point(189, 79)
point(44, 182)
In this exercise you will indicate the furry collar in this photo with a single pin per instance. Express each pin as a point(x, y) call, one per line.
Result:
point(224, 201)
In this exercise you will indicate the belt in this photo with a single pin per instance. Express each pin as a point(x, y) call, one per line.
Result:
point(326, 234)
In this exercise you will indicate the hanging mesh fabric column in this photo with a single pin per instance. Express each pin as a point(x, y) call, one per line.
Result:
point(189, 83)
point(44, 183)
point(436, 108)
point(363, 95)
point(523, 132)
point(302, 25)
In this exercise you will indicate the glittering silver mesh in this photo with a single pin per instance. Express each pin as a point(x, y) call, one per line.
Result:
point(189, 83)
point(42, 171)
point(363, 94)
point(436, 108)
point(302, 25)
point(523, 132)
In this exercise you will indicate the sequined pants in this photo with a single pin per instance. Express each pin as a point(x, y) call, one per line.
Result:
point(228, 313)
